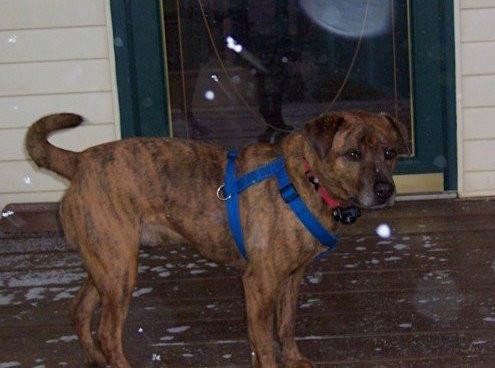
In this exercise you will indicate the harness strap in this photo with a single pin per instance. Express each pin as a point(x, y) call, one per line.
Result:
point(260, 174)
point(232, 193)
point(292, 198)
point(233, 186)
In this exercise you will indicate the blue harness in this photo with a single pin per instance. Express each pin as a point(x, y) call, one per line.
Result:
point(233, 186)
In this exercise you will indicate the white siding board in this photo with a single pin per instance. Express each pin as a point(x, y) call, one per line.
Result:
point(12, 145)
point(53, 44)
point(23, 176)
point(29, 14)
point(21, 111)
point(477, 4)
point(479, 123)
point(30, 197)
point(478, 155)
point(478, 25)
point(479, 183)
point(478, 58)
point(77, 139)
point(54, 77)
point(475, 90)
point(56, 55)
point(478, 91)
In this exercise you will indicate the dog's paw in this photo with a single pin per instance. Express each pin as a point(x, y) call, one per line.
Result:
point(301, 363)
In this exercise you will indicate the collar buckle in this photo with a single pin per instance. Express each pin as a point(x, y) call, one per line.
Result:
point(346, 215)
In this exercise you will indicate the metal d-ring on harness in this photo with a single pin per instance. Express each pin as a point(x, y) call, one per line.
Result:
point(229, 192)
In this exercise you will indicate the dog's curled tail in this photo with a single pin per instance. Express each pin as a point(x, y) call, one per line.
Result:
point(46, 155)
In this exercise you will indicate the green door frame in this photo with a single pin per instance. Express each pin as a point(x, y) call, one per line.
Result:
point(433, 79)
point(139, 53)
point(140, 67)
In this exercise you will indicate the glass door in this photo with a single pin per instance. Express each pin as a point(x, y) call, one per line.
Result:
point(240, 71)
point(251, 70)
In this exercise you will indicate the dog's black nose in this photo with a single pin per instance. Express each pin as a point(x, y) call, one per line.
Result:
point(384, 190)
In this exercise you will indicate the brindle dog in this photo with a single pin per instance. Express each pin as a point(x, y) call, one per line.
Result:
point(130, 191)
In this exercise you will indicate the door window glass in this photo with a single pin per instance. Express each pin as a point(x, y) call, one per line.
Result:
point(241, 71)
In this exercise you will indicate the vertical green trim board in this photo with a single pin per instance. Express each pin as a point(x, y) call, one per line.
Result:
point(140, 67)
point(450, 120)
point(433, 64)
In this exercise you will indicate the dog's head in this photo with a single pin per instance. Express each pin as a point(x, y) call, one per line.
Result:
point(354, 154)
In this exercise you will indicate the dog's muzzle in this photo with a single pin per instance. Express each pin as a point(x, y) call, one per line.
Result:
point(383, 190)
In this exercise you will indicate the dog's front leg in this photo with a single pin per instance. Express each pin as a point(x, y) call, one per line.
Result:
point(259, 289)
point(286, 306)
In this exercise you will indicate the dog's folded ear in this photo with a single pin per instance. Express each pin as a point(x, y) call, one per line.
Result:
point(320, 132)
point(400, 129)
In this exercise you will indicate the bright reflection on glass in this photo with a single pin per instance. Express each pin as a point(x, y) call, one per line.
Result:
point(345, 17)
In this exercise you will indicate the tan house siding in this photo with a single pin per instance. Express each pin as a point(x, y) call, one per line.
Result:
point(57, 55)
point(475, 42)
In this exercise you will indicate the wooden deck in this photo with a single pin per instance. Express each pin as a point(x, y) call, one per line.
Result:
point(425, 297)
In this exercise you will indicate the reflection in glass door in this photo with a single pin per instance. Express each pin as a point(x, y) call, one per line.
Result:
point(241, 71)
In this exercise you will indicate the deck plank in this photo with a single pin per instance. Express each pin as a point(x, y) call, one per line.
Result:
point(421, 298)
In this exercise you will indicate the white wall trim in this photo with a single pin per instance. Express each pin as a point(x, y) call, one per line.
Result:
point(459, 100)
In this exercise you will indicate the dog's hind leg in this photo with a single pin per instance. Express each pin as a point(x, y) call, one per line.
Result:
point(285, 308)
point(115, 277)
point(81, 313)
point(107, 236)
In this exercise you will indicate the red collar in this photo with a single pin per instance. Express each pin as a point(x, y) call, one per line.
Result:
point(327, 198)
point(344, 215)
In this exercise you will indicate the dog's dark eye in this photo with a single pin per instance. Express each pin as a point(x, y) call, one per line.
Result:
point(390, 154)
point(353, 155)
